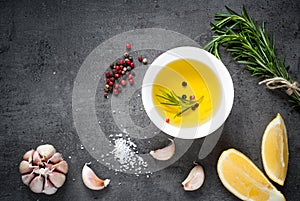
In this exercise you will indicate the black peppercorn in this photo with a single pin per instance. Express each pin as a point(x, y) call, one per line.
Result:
point(112, 65)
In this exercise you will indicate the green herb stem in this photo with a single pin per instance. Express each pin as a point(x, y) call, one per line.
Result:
point(250, 45)
point(172, 99)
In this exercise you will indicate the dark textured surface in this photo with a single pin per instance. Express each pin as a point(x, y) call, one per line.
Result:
point(38, 38)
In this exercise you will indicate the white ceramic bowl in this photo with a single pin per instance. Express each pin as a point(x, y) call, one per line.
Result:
point(219, 116)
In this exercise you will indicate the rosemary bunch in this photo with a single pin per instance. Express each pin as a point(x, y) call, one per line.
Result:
point(251, 45)
point(171, 99)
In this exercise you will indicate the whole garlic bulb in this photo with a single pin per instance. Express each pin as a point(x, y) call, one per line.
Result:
point(43, 169)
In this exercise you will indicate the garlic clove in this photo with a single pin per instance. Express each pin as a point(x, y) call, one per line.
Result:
point(28, 156)
point(57, 179)
point(165, 153)
point(55, 158)
point(25, 167)
point(49, 189)
point(36, 185)
point(62, 167)
point(37, 159)
point(27, 178)
point(195, 179)
point(91, 180)
point(46, 151)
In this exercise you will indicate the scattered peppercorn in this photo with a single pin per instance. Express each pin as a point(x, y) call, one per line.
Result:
point(192, 97)
point(194, 107)
point(184, 84)
point(140, 58)
point(120, 71)
point(128, 62)
point(128, 46)
point(145, 61)
point(123, 82)
point(117, 75)
point(167, 120)
point(107, 74)
point(131, 81)
point(116, 91)
point(183, 96)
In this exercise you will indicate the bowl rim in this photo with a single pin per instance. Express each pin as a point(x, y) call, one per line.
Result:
point(223, 76)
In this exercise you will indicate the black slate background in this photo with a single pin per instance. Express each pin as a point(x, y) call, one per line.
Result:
point(38, 38)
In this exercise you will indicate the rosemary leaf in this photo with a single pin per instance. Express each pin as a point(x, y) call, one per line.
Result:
point(249, 44)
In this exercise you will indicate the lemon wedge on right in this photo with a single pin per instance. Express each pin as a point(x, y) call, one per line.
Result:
point(274, 150)
point(242, 178)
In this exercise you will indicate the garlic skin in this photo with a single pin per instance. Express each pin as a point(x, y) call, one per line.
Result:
point(46, 151)
point(91, 180)
point(165, 153)
point(43, 170)
point(195, 179)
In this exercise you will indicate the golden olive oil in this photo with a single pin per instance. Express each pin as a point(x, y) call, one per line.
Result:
point(201, 81)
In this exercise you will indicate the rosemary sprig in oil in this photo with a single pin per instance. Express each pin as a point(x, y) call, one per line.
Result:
point(251, 45)
point(172, 99)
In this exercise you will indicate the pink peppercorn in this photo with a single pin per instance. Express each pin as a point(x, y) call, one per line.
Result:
point(140, 58)
point(128, 62)
point(131, 81)
point(167, 120)
point(107, 74)
point(116, 75)
point(123, 82)
point(128, 46)
point(121, 62)
point(116, 91)
point(130, 76)
point(132, 65)
point(116, 86)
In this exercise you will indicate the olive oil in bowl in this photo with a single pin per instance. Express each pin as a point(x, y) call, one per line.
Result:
point(186, 79)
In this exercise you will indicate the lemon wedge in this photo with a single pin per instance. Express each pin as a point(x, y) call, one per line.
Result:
point(242, 178)
point(274, 150)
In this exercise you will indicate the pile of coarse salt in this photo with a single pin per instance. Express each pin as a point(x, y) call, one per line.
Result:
point(126, 154)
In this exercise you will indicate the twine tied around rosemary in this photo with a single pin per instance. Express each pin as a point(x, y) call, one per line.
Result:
point(279, 82)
